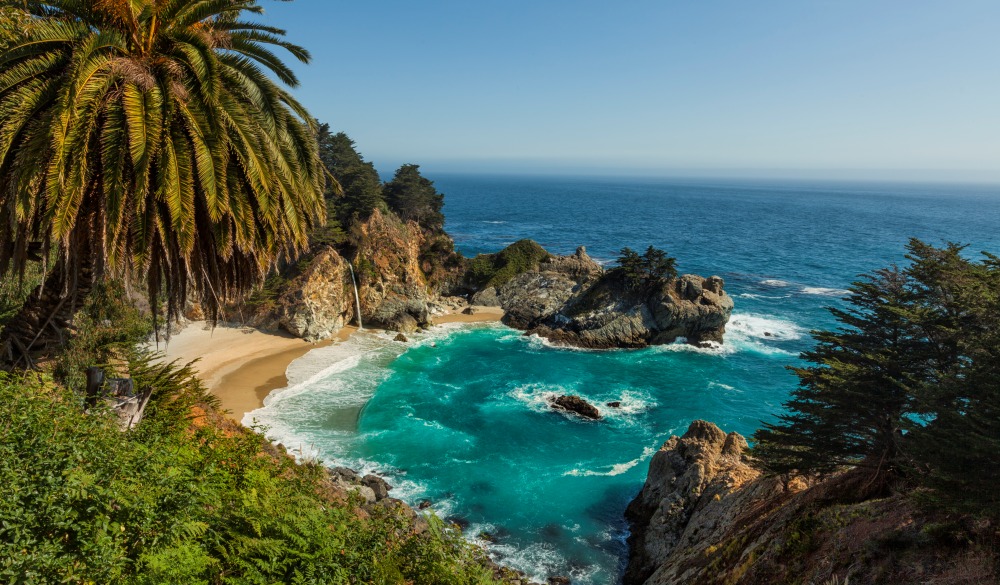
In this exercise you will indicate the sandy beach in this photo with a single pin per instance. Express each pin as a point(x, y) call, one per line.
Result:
point(242, 365)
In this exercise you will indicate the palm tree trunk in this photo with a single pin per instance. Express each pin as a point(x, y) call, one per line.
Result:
point(42, 326)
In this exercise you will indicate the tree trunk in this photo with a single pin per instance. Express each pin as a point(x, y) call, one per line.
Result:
point(41, 327)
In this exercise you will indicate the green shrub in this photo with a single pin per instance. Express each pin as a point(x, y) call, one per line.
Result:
point(176, 502)
point(486, 270)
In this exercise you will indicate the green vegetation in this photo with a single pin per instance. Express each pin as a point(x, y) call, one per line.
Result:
point(652, 267)
point(360, 186)
point(486, 270)
point(148, 140)
point(908, 387)
point(413, 197)
point(184, 499)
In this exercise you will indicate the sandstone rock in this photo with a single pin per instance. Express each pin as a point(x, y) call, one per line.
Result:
point(392, 287)
point(317, 303)
point(576, 405)
point(688, 503)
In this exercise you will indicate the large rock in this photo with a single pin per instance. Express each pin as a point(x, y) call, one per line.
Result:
point(392, 286)
point(572, 300)
point(319, 301)
point(682, 502)
point(578, 406)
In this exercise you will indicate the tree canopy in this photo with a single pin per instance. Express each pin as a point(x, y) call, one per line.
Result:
point(652, 266)
point(413, 197)
point(152, 140)
point(908, 386)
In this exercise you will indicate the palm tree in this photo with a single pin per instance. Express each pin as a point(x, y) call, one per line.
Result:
point(154, 141)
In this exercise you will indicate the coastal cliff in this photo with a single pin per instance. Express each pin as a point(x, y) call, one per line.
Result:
point(706, 516)
point(574, 301)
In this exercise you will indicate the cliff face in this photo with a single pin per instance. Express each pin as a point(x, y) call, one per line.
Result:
point(706, 516)
point(320, 301)
point(571, 299)
point(393, 289)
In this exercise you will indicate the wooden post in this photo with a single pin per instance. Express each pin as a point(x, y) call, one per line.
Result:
point(95, 379)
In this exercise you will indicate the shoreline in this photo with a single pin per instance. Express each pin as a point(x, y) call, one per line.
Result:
point(242, 365)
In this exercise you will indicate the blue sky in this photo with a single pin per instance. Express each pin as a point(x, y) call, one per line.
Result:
point(839, 88)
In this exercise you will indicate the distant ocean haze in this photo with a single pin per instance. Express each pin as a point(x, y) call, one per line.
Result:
point(460, 417)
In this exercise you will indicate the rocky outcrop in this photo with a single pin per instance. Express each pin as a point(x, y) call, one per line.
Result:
point(577, 406)
point(706, 516)
point(572, 300)
point(681, 510)
point(392, 287)
point(319, 302)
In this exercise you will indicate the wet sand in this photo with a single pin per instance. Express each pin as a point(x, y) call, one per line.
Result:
point(242, 365)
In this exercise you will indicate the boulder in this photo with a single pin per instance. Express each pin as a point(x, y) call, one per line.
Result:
point(576, 405)
point(615, 404)
point(401, 337)
point(377, 485)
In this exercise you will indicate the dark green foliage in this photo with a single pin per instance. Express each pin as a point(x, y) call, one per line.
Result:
point(360, 186)
point(909, 386)
point(174, 503)
point(14, 290)
point(486, 270)
point(107, 330)
point(413, 197)
point(652, 267)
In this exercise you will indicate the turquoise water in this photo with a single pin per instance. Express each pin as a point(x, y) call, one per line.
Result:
point(458, 417)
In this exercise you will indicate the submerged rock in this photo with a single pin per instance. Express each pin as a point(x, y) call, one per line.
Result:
point(576, 405)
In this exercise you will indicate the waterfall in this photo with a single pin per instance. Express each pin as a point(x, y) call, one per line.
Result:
point(357, 299)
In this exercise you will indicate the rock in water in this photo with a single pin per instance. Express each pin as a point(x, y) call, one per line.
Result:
point(615, 404)
point(578, 406)
point(401, 337)
point(573, 300)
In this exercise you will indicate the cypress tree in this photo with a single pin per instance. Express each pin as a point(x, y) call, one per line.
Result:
point(851, 405)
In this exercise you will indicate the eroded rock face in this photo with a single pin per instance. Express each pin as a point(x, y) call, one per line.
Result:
point(687, 503)
point(392, 287)
point(320, 301)
point(572, 300)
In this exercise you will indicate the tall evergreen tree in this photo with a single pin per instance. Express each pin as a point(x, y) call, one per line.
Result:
point(413, 197)
point(361, 187)
point(851, 406)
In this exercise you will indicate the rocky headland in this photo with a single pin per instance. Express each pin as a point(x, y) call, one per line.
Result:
point(706, 515)
point(574, 301)
point(405, 275)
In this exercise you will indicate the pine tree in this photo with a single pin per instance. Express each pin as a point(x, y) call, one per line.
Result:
point(413, 197)
point(851, 406)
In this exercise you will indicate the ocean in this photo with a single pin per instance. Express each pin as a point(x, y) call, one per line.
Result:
point(458, 417)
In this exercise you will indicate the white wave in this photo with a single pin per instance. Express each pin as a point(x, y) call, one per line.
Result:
point(631, 403)
point(763, 327)
point(537, 396)
point(723, 386)
point(774, 282)
point(758, 297)
point(494, 222)
point(538, 560)
point(825, 292)
point(616, 469)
